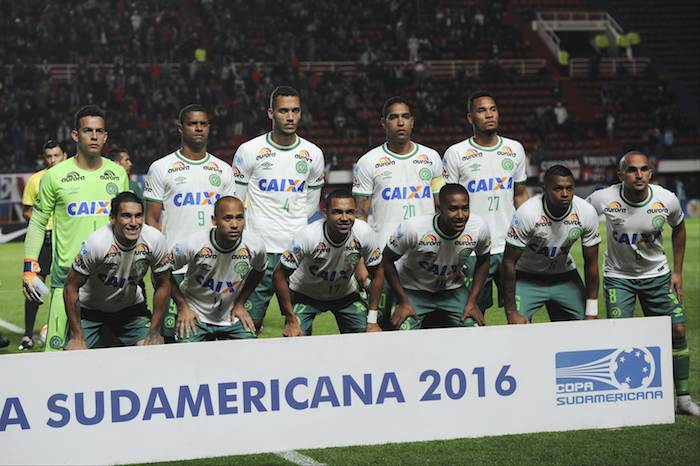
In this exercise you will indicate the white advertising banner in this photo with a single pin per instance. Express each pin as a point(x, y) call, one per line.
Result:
point(199, 400)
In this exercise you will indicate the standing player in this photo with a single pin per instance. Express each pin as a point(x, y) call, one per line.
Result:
point(77, 192)
point(397, 180)
point(424, 264)
point(102, 289)
point(538, 242)
point(224, 265)
point(53, 154)
point(494, 171)
point(121, 156)
point(319, 266)
point(635, 263)
point(183, 187)
point(282, 175)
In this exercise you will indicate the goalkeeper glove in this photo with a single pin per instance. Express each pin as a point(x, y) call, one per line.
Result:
point(32, 286)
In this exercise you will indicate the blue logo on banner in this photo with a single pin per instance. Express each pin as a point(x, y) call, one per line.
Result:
point(608, 375)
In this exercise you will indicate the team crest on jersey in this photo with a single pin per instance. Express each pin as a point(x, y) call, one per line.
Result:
point(425, 174)
point(212, 167)
point(384, 162)
point(472, 154)
point(109, 176)
point(572, 219)
point(429, 240)
point(544, 222)
point(574, 233)
point(658, 221)
point(264, 153)
point(113, 251)
point(72, 176)
point(241, 268)
point(141, 267)
point(215, 180)
point(657, 208)
point(178, 166)
point(87, 208)
point(507, 164)
point(615, 207)
point(205, 253)
point(423, 159)
point(141, 250)
point(112, 188)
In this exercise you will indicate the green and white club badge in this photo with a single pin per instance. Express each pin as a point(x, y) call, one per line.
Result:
point(241, 268)
point(425, 174)
point(658, 221)
point(112, 189)
point(574, 233)
point(302, 167)
point(215, 180)
point(507, 164)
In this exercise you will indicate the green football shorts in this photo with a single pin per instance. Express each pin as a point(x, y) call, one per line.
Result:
point(562, 294)
point(350, 312)
point(654, 297)
point(448, 305)
point(209, 332)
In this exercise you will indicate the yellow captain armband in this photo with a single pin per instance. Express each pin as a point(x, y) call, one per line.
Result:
point(436, 184)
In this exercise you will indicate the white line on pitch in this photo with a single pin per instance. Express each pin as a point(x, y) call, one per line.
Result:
point(11, 327)
point(295, 457)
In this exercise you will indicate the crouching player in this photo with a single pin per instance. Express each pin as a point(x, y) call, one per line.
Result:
point(102, 290)
point(424, 263)
point(635, 263)
point(320, 266)
point(224, 265)
point(537, 267)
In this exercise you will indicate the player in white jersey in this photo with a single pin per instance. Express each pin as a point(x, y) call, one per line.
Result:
point(494, 171)
point(102, 289)
point(397, 180)
point(424, 264)
point(181, 189)
point(282, 175)
point(224, 265)
point(635, 264)
point(319, 266)
point(537, 267)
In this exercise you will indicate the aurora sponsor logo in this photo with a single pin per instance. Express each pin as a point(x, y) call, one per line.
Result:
point(472, 154)
point(72, 176)
point(304, 155)
point(657, 208)
point(178, 166)
point(113, 251)
point(384, 162)
point(205, 253)
point(423, 159)
point(507, 152)
point(212, 167)
point(615, 207)
point(142, 250)
point(241, 254)
point(465, 240)
point(109, 175)
point(429, 240)
point(572, 219)
point(544, 222)
point(264, 153)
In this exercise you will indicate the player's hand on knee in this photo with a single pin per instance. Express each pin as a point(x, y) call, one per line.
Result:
point(292, 328)
point(153, 338)
point(402, 312)
point(515, 318)
point(373, 328)
point(590, 317)
point(472, 311)
point(32, 286)
point(239, 311)
point(186, 322)
point(76, 344)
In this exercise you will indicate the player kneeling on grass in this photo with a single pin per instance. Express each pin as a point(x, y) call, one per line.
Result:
point(424, 263)
point(320, 265)
point(635, 263)
point(102, 290)
point(224, 265)
point(537, 267)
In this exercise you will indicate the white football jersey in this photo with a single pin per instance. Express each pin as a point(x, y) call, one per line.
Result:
point(634, 230)
point(325, 270)
point(431, 261)
point(278, 179)
point(400, 185)
point(114, 272)
point(215, 276)
point(489, 174)
point(188, 190)
point(547, 240)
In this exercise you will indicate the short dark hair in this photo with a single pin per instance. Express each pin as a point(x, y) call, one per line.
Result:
point(88, 110)
point(282, 91)
point(340, 193)
point(397, 99)
point(189, 109)
point(50, 144)
point(115, 153)
point(477, 95)
point(219, 201)
point(556, 170)
point(115, 204)
point(450, 189)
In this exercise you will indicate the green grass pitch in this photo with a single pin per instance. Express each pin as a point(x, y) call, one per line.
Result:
point(668, 444)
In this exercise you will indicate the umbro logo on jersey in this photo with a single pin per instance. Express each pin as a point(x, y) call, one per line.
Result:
point(281, 185)
point(178, 167)
point(490, 184)
point(109, 175)
point(83, 208)
point(196, 198)
point(406, 192)
point(72, 176)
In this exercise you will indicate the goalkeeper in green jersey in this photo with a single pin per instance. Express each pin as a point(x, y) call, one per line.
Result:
point(77, 192)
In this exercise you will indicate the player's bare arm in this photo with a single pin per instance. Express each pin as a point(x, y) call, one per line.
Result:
point(71, 299)
point(162, 284)
point(239, 310)
point(592, 279)
point(404, 309)
point(481, 271)
point(678, 245)
point(186, 318)
point(363, 203)
point(375, 293)
point(510, 258)
point(520, 194)
point(154, 210)
point(280, 279)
